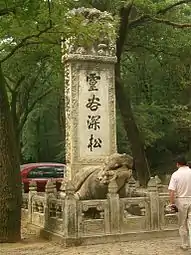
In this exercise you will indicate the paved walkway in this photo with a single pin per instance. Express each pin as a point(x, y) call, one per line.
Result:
point(33, 246)
point(154, 247)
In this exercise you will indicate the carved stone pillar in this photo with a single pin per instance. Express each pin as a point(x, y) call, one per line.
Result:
point(50, 192)
point(114, 207)
point(32, 192)
point(154, 204)
point(159, 184)
point(132, 186)
point(90, 93)
point(70, 211)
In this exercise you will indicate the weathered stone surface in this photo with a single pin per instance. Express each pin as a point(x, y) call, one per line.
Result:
point(166, 244)
point(95, 204)
point(92, 183)
point(154, 203)
point(50, 188)
point(70, 211)
point(90, 93)
point(74, 221)
point(32, 193)
point(102, 42)
point(114, 206)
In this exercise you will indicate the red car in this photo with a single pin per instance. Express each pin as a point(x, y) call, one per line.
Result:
point(41, 173)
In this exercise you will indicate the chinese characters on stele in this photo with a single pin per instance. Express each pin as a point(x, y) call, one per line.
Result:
point(93, 104)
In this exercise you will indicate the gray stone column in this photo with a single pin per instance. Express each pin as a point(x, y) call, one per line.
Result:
point(70, 211)
point(131, 187)
point(90, 93)
point(154, 204)
point(159, 184)
point(32, 192)
point(114, 207)
point(50, 192)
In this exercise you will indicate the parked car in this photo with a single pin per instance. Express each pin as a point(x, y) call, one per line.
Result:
point(41, 173)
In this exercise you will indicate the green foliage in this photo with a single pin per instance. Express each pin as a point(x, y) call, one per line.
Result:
point(156, 71)
point(41, 137)
point(155, 67)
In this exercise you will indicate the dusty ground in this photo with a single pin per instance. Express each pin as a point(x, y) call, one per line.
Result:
point(32, 245)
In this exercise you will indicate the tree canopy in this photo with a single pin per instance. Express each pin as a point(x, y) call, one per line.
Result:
point(153, 88)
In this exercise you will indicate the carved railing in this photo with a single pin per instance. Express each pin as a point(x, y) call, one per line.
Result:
point(93, 217)
point(135, 214)
point(38, 210)
point(25, 201)
point(72, 218)
point(55, 219)
point(168, 220)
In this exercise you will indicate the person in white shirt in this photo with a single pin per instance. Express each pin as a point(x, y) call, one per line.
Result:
point(180, 195)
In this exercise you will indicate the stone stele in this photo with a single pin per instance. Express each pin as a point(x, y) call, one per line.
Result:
point(90, 93)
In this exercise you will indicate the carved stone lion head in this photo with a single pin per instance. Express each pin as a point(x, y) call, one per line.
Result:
point(101, 42)
point(115, 166)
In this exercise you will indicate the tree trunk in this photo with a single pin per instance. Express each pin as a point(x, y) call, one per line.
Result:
point(38, 154)
point(10, 179)
point(132, 131)
point(14, 116)
point(123, 100)
point(61, 120)
point(45, 130)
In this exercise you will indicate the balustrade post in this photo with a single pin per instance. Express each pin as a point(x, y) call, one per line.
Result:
point(132, 186)
point(154, 204)
point(114, 207)
point(50, 192)
point(159, 184)
point(32, 192)
point(69, 211)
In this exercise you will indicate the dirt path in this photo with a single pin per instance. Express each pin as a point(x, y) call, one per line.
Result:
point(31, 245)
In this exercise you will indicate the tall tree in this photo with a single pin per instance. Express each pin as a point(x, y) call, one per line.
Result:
point(23, 23)
point(133, 15)
point(20, 22)
point(10, 182)
point(130, 18)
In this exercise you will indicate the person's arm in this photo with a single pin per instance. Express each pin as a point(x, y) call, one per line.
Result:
point(172, 189)
point(172, 196)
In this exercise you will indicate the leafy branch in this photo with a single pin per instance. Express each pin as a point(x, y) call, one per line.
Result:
point(168, 8)
point(30, 86)
point(7, 11)
point(170, 23)
point(18, 83)
point(24, 42)
point(146, 17)
point(29, 109)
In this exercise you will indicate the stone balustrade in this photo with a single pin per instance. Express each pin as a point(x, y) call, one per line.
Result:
point(76, 222)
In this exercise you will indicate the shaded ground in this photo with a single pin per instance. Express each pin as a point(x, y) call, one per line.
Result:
point(32, 245)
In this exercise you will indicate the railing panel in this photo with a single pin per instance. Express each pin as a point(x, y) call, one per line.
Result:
point(167, 220)
point(135, 214)
point(93, 217)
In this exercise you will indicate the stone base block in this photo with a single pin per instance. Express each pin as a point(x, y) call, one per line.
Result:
point(103, 239)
